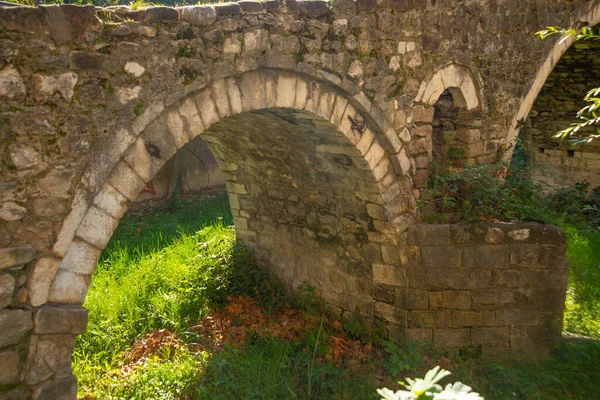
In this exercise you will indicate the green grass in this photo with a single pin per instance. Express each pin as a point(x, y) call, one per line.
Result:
point(166, 267)
point(582, 311)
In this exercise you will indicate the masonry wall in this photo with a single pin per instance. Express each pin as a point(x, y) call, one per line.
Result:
point(491, 289)
point(94, 101)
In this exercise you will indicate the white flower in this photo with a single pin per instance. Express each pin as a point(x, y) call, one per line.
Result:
point(432, 377)
point(458, 391)
point(387, 394)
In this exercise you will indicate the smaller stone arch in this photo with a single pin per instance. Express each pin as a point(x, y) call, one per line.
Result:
point(589, 15)
point(456, 82)
point(455, 78)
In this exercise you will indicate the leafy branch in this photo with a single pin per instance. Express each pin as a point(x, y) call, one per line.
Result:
point(589, 116)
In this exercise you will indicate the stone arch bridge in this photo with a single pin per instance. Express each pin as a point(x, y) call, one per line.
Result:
point(321, 119)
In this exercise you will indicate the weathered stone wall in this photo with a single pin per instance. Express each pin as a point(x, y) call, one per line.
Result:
point(498, 289)
point(94, 102)
point(560, 163)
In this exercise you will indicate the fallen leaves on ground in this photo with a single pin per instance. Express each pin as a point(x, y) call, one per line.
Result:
point(160, 342)
point(242, 316)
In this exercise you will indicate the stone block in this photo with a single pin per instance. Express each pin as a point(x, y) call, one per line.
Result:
point(538, 256)
point(492, 297)
point(440, 257)
point(519, 234)
point(390, 313)
point(439, 278)
point(9, 367)
point(391, 255)
point(446, 338)
point(207, 107)
point(429, 319)
point(7, 289)
point(69, 288)
point(326, 104)
point(374, 155)
point(154, 147)
point(450, 299)
point(82, 60)
point(517, 317)
point(376, 211)
point(159, 14)
point(286, 91)
point(60, 320)
point(388, 275)
point(126, 181)
point(412, 299)
point(96, 228)
point(251, 85)
point(429, 235)
point(419, 334)
point(486, 256)
point(111, 201)
point(466, 319)
point(227, 9)
point(14, 323)
point(497, 336)
point(421, 113)
point(468, 136)
point(177, 129)
point(49, 356)
point(394, 140)
point(40, 278)
point(422, 131)
point(11, 83)
point(512, 278)
point(200, 15)
point(384, 293)
point(81, 258)
point(13, 256)
point(64, 388)
point(219, 90)
point(551, 278)
point(494, 235)
point(365, 142)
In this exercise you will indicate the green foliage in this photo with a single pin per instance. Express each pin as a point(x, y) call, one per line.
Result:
point(576, 206)
point(357, 328)
point(589, 116)
point(582, 308)
point(403, 358)
point(487, 192)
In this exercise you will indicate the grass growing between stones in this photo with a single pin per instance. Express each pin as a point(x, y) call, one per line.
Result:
point(178, 311)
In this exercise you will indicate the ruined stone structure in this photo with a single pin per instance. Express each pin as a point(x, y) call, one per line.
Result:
point(321, 120)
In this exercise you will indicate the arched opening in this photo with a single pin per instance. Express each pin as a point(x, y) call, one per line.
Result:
point(561, 163)
point(310, 188)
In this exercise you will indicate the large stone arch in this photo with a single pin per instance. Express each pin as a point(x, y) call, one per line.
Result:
point(175, 126)
point(588, 15)
point(352, 222)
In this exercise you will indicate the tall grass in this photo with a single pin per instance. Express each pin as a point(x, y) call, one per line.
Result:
point(162, 270)
point(582, 309)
